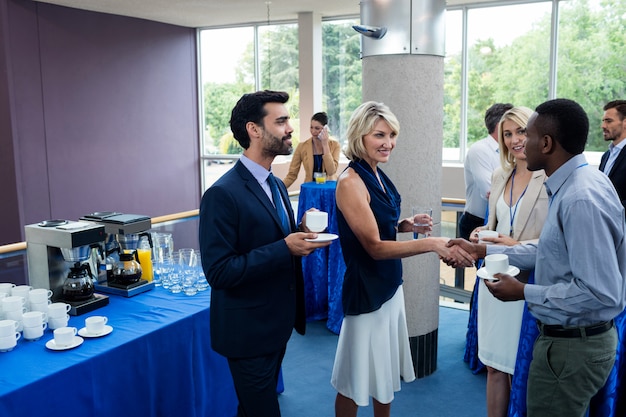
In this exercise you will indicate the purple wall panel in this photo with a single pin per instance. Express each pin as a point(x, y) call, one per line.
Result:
point(106, 115)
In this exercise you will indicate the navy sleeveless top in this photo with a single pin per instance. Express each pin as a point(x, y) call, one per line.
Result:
point(369, 283)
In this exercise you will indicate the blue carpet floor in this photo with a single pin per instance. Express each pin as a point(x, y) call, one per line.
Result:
point(452, 390)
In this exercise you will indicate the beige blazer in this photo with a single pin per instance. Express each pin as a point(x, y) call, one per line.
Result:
point(304, 155)
point(533, 210)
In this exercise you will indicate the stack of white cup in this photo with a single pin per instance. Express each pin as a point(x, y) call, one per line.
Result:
point(34, 323)
point(5, 291)
point(13, 307)
point(39, 299)
point(22, 291)
point(57, 315)
point(8, 335)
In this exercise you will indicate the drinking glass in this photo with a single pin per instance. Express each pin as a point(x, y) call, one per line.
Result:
point(418, 214)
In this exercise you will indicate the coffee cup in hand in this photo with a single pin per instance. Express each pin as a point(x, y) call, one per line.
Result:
point(497, 263)
point(487, 234)
point(316, 221)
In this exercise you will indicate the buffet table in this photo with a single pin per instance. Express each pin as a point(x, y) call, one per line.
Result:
point(324, 268)
point(157, 361)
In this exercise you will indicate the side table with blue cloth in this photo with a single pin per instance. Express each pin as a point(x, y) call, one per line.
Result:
point(324, 268)
point(157, 361)
point(610, 401)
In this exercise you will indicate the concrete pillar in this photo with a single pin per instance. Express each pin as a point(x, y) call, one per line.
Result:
point(404, 69)
point(310, 70)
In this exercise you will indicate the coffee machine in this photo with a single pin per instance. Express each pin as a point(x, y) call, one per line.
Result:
point(58, 254)
point(122, 235)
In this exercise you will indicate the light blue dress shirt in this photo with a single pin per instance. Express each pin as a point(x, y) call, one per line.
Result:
point(580, 258)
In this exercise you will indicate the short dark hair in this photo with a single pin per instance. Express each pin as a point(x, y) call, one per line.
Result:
point(494, 114)
point(618, 105)
point(321, 117)
point(249, 108)
point(566, 122)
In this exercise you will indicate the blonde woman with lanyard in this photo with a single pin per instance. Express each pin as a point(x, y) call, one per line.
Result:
point(518, 206)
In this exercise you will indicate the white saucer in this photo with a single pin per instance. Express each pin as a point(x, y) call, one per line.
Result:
point(482, 273)
point(323, 237)
point(75, 343)
point(84, 333)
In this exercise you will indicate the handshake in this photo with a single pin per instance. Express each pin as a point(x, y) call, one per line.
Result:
point(459, 253)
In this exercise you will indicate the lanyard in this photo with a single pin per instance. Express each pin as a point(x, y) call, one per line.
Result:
point(513, 212)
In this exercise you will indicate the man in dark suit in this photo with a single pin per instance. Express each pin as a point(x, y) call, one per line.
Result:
point(251, 255)
point(613, 161)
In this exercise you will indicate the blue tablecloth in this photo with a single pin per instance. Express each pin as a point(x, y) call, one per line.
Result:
point(609, 402)
point(324, 268)
point(157, 361)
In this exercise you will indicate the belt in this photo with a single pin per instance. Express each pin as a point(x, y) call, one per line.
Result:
point(551, 330)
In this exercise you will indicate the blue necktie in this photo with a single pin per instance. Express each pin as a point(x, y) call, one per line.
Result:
point(284, 221)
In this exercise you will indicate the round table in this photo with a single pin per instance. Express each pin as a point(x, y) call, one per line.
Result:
point(324, 268)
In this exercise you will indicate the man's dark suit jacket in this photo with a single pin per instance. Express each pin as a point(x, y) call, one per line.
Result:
point(617, 174)
point(257, 287)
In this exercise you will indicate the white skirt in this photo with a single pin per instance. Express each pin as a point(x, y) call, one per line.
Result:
point(499, 325)
point(373, 353)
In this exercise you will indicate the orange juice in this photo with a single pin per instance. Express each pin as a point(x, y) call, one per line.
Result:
point(145, 260)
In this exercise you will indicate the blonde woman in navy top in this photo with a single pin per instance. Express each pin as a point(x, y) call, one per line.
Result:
point(373, 349)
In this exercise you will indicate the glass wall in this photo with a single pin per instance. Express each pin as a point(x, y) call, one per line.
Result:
point(495, 52)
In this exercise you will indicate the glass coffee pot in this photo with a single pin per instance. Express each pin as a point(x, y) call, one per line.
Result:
point(78, 285)
point(127, 270)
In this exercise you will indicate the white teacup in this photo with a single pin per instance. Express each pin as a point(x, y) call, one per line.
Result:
point(21, 291)
point(43, 307)
point(486, 234)
point(15, 315)
point(497, 263)
point(95, 324)
point(34, 332)
point(34, 318)
point(58, 322)
point(316, 221)
point(5, 287)
point(56, 310)
point(9, 342)
point(8, 327)
point(13, 303)
point(39, 295)
point(64, 336)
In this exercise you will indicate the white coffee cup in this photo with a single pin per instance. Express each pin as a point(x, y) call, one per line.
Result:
point(43, 307)
point(497, 263)
point(9, 342)
point(58, 322)
point(39, 295)
point(21, 291)
point(8, 327)
point(95, 324)
point(5, 287)
point(34, 318)
point(64, 336)
point(34, 332)
point(58, 310)
point(316, 221)
point(15, 315)
point(486, 234)
point(13, 303)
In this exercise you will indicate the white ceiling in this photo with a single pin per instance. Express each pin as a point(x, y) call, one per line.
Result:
point(202, 13)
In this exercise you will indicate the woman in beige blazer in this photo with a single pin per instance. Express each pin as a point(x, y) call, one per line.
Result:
point(518, 206)
point(318, 153)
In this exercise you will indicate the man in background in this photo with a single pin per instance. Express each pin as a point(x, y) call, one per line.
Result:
point(481, 160)
point(613, 161)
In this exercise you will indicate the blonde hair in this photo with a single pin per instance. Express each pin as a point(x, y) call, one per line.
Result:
point(518, 115)
point(362, 122)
